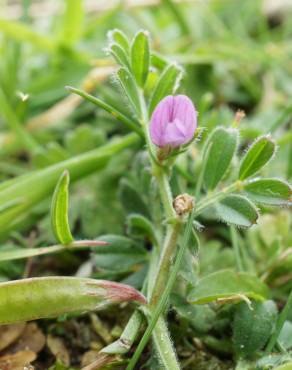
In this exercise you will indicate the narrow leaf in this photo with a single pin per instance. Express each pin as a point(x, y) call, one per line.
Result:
point(129, 88)
point(273, 192)
point(257, 156)
point(226, 283)
point(222, 143)
point(158, 61)
point(166, 85)
point(120, 56)
point(59, 210)
point(120, 38)
point(140, 57)
point(132, 124)
point(46, 297)
point(237, 210)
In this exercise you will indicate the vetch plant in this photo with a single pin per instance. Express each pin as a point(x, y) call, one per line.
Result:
point(167, 196)
point(168, 122)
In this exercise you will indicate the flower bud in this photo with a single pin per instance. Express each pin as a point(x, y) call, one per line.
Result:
point(183, 204)
point(173, 122)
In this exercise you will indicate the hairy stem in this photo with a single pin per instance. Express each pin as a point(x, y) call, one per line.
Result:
point(165, 262)
point(164, 345)
point(164, 191)
point(213, 198)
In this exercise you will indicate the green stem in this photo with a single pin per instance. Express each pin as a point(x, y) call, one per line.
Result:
point(164, 346)
point(153, 263)
point(108, 108)
point(165, 262)
point(213, 198)
point(165, 191)
point(279, 325)
point(158, 310)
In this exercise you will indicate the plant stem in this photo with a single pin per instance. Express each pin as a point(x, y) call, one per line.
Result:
point(213, 198)
point(165, 262)
point(158, 310)
point(165, 191)
point(107, 107)
point(279, 325)
point(164, 346)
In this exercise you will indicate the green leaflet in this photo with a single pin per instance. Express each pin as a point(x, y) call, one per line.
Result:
point(130, 88)
point(269, 191)
point(253, 326)
point(45, 297)
point(120, 56)
point(120, 38)
point(223, 144)
point(237, 210)
point(59, 210)
point(257, 156)
point(140, 57)
point(166, 85)
point(226, 284)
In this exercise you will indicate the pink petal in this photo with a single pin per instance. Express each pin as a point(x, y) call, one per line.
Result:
point(173, 121)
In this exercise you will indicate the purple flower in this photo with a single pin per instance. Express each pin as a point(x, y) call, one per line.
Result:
point(173, 122)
